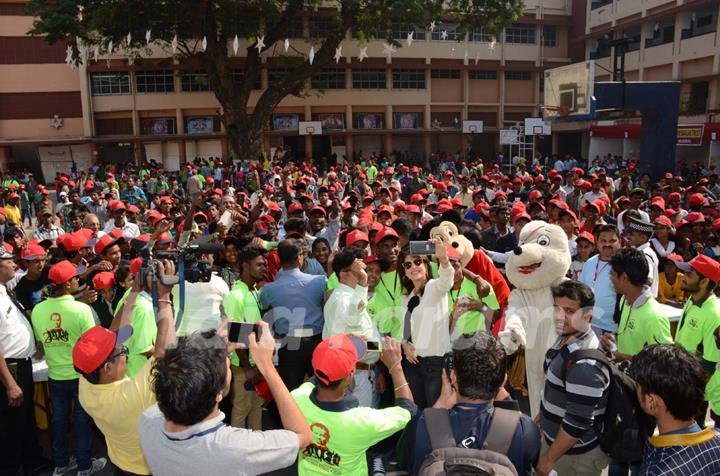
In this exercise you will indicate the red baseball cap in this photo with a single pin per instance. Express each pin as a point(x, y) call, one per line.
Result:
point(96, 345)
point(317, 209)
point(335, 357)
point(133, 209)
point(413, 209)
point(62, 272)
point(135, 266)
point(386, 232)
point(103, 280)
point(74, 241)
point(355, 236)
point(416, 198)
point(696, 199)
point(105, 242)
point(585, 236)
point(295, 207)
point(663, 220)
point(33, 251)
point(695, 217)
point(116, 205)
point(704, 265)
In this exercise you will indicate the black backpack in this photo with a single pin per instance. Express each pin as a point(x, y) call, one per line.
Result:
point(625, 428)
point(449, 459)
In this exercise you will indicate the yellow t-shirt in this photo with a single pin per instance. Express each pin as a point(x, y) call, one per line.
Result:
point(670, 292)
point(116, 408)
point(13, 213)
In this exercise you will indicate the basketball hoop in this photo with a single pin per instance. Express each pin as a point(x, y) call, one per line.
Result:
point(561, 111)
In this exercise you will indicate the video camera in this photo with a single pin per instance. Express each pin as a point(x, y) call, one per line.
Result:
point(193, 269)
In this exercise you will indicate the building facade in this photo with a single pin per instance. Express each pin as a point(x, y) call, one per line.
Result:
point(412, 102)
point(667, 40)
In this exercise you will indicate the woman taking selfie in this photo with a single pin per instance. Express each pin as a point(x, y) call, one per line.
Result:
point(426, 335)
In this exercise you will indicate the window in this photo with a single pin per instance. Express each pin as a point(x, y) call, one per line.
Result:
point(194, 81)
point(595, 4)
point(634, 37)
point(296, 27)
point(369, 79)
point(518, 76)
point(408, 79)
point(482, 75)
point(400, 32)
point(238, 77)
point(329, 79)
point(520, 33)
point(453, 32)
point(445, 74)
point(155, 81)
point(278, 75)
point(320, 26)
point(109, 84)
point(479, 34)
point(549, 35)
point(694, 100)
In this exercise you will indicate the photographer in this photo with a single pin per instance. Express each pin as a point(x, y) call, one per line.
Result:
point(110, 397)
point(184, 433)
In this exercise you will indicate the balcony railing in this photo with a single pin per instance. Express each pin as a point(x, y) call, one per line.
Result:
point(594, 5)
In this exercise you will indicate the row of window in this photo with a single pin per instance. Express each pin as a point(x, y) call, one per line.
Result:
point(163, 81)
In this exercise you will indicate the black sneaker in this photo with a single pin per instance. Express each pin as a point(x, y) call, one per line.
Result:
point(377, 466)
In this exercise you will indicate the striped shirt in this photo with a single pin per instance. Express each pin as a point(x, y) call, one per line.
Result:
point(681, 454)
point(577, 402)
point(51, 233)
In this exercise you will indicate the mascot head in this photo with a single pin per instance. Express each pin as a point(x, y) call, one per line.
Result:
point(449, 234)
point(542, 257)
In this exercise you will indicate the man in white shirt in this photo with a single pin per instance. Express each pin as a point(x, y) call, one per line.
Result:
point(130, 230)
point(639, 234)
point(595, 193)
point(18, 437)
point(346, 312)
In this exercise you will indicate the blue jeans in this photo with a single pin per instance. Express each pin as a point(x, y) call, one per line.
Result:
point(64, 395)
point(623, 469)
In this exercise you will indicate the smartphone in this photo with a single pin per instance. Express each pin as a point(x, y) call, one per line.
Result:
point(373, 346)
point(420, 248)
point(239, 332)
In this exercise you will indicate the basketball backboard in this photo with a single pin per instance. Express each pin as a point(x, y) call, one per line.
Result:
point(310, 128)
point(536, 126)
point(472, 127)
point(569, 92)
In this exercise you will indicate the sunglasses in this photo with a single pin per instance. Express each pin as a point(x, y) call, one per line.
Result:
point(123, 351)
point(415, 262)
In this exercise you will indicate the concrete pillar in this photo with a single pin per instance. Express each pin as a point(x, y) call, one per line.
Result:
point(224, 144)
point(181, 151)
point(388, 138)
point(179, 121)
point(137, 147)
point(308, 146)
point(348, 146)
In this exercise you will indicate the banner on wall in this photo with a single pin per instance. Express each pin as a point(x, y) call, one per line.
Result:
point(370, 120)
point(690, 134)
point(158, 126)
point(200, 125)
point(406, 120)
point(332, 121)
point(286, 122)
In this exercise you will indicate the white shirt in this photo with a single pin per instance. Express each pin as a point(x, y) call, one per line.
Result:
point(202, 304)
point(652, 261)
point(330, 232)
point(346, 312)
point(130, 230)
point(16, 335)
point(429, 321)
point(591, 197)
point(660, 250)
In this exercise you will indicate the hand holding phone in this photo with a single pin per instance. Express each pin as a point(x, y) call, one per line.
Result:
point(239, 332)
point(422, 248)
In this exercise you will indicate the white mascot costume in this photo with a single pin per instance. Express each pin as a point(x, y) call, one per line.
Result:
point(540, 261)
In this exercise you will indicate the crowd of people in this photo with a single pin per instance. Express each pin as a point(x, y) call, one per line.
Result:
point(373, 343)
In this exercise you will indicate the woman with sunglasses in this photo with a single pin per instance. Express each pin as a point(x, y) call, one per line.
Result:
point(426, 335)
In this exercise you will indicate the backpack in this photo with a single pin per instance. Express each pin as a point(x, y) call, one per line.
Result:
point(449, 459)
point(625, 427)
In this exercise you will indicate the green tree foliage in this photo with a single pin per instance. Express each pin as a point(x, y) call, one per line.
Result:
point(86, 24)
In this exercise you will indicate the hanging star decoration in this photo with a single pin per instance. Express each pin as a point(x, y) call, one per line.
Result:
point(338, 54)
point(110, 47)
point(148, 36)
point(432, 26)
point(410, 38)
point(287, 44)
point(203, 44)
point(466, 55)
point(236, 44)
point(84, 54)
point(311, 55)
point(363, 53)
point(493, 42)
point(388, 50)
point(96, 52)
point(477, 58)
point(452, 51)
point(260, 44)
point(444, 35)
point(69, 55)
point(129, 38)
point(174, 44)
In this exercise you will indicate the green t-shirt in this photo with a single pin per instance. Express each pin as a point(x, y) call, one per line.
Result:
point(641, 326)
point(58, 323)
point(371, 173)
point(332, 282)
point(340, 438)
point(471, 321)
point(712, 392)
point(144, 333)
point(697, 327)
point(242, 305)
point(387, 301)
point(122, 300)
